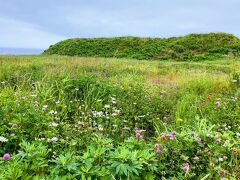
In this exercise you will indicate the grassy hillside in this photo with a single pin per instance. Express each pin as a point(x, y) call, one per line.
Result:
point(97, 118)
point(193, 47)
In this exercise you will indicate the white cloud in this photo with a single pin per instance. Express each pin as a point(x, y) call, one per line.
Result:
point(19, 34)
point(97, 23)
point(30, 24)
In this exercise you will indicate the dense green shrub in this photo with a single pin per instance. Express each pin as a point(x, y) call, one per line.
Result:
point(195, 47)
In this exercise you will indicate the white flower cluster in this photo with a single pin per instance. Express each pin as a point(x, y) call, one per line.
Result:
point(44, 107)
point(53, 124)
point(3, 139)
point(53, 112)
point(97, 113)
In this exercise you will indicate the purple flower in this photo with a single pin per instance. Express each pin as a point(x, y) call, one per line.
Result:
point(186, 167)
point(196, 158)
point(198, 139)
point(138, 135)
point(137, 131)
point(193, 133)
point(6, 157)
point(12, 134)
point(158, 150)
point(163, 136)
point(172, 134)
point(171, 137)
point(14, 126)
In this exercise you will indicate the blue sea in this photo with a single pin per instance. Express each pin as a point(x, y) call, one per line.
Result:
point(20, 51)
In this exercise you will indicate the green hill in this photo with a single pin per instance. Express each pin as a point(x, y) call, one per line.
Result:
point(190, 47)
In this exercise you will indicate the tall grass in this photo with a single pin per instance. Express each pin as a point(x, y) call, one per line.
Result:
point(98, 104)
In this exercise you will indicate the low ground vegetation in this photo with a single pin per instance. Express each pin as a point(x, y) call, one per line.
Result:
point(93, 118)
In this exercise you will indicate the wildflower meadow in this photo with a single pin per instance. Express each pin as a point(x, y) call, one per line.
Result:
point(99, 118)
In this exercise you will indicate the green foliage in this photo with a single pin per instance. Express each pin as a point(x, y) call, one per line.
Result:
point(193, 47)
point(103, 119)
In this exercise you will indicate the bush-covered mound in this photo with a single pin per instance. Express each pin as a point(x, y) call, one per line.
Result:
point(191, 47)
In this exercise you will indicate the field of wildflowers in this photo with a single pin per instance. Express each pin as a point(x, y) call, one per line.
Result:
point(95, 118)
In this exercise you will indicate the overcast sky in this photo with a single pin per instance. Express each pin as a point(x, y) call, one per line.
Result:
point(40, 23)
